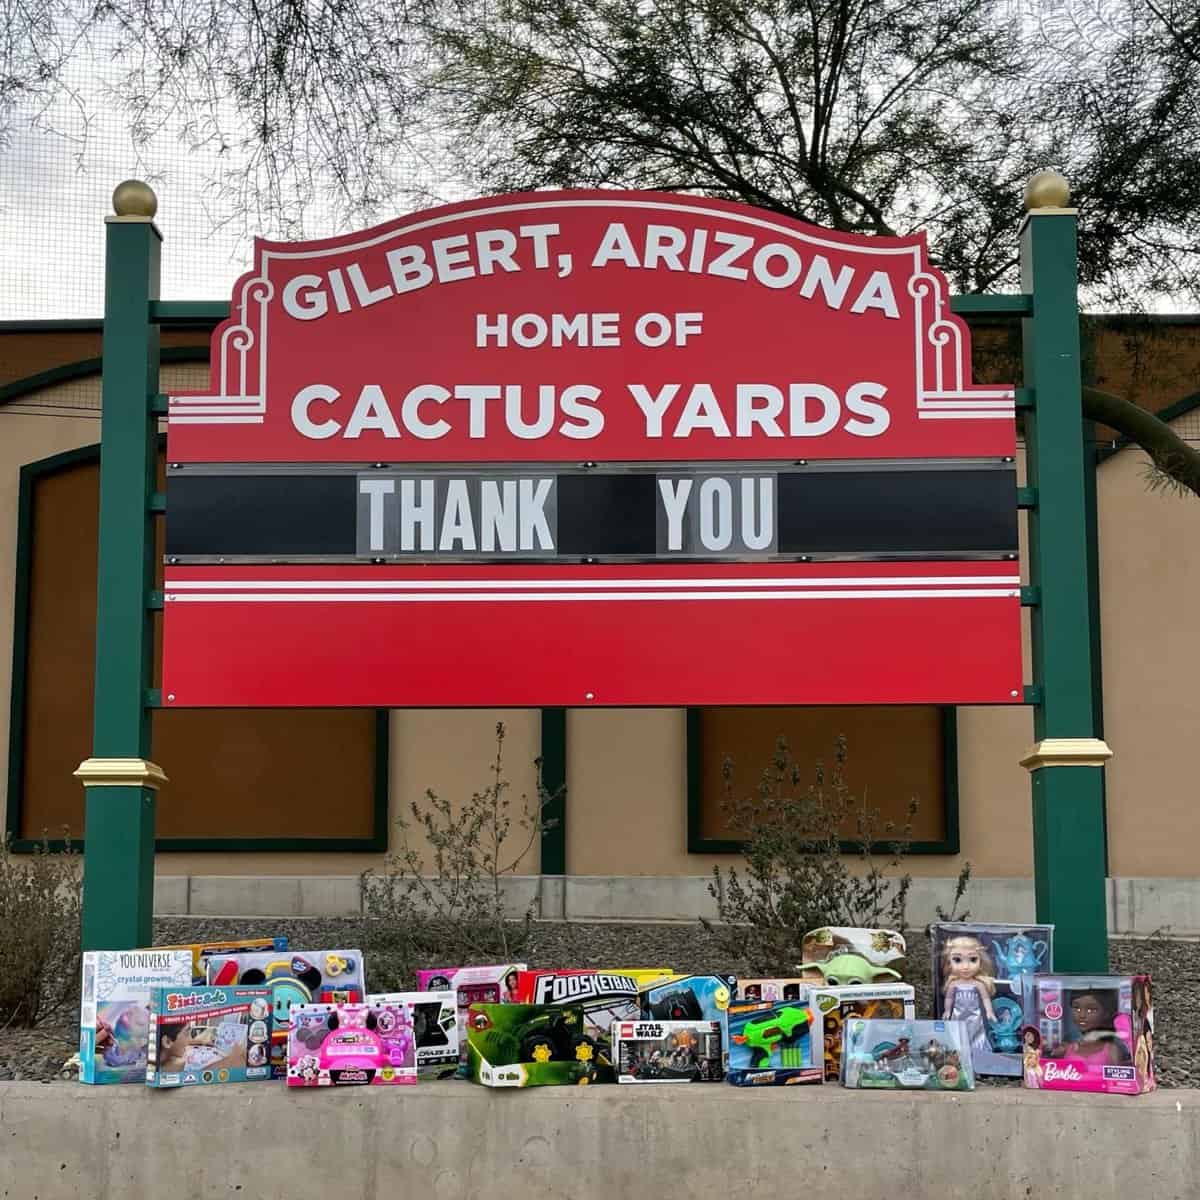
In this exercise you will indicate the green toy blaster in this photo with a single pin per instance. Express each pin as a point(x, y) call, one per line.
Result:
point(766, 1033)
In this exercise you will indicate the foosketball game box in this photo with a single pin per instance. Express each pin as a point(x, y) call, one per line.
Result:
point(201, 1035)
point(774, 1043)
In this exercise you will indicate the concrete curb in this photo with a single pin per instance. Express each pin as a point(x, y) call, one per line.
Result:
point(455, 1141)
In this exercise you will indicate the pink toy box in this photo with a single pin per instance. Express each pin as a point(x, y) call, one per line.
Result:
point(336, 1045)
point(474, 985)
point(1089, 1033)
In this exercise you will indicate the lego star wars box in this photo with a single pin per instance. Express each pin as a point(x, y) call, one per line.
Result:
point(668, 1051)
point(883, 1001)
point(529, 1045)
point(774, 1043)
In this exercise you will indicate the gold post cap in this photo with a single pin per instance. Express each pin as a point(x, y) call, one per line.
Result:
point(1067, 752)
point(1047, 189)
point(120, 772)
point(133, 198)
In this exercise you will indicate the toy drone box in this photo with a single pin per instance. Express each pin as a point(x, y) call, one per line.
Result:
point(931, 1056)
point(203, 951)
point(473, 985)
point(688, 998)
point(529, 1045)
point(773, 989)
point(114, 1011)
point(293, 977)
point(435, 1030)
point(884, 1001)
point(1089, 1033)
point(339, 1045)
point(980, 976)
point(668, 1051)
point(774, 1043)
point(204, 1035)
point(604, 996)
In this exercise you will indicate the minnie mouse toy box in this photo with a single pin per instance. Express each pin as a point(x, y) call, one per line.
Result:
point(333, 1045)
point(1089, 1033)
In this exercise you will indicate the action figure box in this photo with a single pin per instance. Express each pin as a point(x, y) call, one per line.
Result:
point(529, 1045)
point(474, 985)
point(293, 977)
point(669, 1051)
point(772, 1043)
point(885, 1001)
point(202, 1035)
point(933, 1056)
point(980, 976)
point(341, 1045)
point(1089, 1033)
point(114, 1010)
point(203, 951)
point(773, 989)
point(604, 996)
point(435, 1030)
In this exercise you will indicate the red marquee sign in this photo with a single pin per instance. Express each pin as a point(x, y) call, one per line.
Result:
point(592, 448)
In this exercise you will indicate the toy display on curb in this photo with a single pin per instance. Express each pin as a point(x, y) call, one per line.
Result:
point(604, 996)
point(688, 998)
point(293, 977)
point(202, 1035)
point(114, 1010)
point(203, 951)
point(435, 1029)
point(337, 1045)
point(668, 1051)
point(980, 975)
point(774, 1043)
point(880, 947)
point(1089, 1033)
point(773, 989)
point(473, 985)
point(529, 1045)
point(886, 1001)
point(926, 1055)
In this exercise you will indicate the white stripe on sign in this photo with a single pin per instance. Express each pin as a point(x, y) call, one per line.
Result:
point(491, 597)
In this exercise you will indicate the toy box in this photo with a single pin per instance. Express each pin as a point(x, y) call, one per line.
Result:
point(1089, 1033)
point(929, 1055)
point(880, 947)
point(774, 1043)
point(293, 977)
point(668, 1051)
point(604, 996)
point(688, 998)
point(474, 985)
point(773, 989)
point(339, 1045)
point(203, 951)
point(980, 974)
point(208, 1035)
point(114, 1010)
point(436, 1033)
point(529, 1045)
point(885, 1001)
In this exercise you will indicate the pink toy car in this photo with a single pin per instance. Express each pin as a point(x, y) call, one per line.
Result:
point(336, 1045)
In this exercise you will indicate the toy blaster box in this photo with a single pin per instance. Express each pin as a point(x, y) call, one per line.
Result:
point(529, 1045)
point(774, 1043)
point(773, 989)
point(980, 976)
point(884, 1001)
point(927, 1055)
point(435, 1030)
point(1089, 1033)
point(604, 996)
point(114, 1010)
point(668, 1051)
point(203, 951)
point(339, 1045)
point(473, 985)
point(293, 977)
point(204, 1035)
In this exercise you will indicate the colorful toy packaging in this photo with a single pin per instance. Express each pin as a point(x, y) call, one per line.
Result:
point(336, 1045)
point(881, 949)
point(885, 1001)
point(529, 1045)
point(773, 989)
point(203, 951)
point(114, 1012)
point(1089, 1033)
point(774, 1043)
point(204, 1035)
point(474, 985)
point(980, 976)
point(688, 998)
point(930, 1055)
point(293, 977)
point(436, 1033)
point(668, 1051)
point(604, 996)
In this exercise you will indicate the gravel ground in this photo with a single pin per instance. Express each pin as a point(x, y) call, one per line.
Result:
point(1175, 965)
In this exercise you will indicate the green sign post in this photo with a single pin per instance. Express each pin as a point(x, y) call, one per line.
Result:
point(1066, 762)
